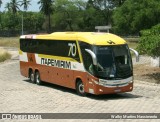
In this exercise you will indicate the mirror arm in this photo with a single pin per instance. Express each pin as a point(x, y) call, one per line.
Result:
point(94, 58)
point(136, 53)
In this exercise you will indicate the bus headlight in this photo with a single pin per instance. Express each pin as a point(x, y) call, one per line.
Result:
point(96, 82)
point(102, 82)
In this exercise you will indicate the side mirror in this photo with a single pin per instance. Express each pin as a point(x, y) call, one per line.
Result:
point(136, 53)
point(94, 58)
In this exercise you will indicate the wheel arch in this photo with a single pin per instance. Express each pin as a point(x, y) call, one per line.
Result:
point(29, 71)
point(78, 79)
point(36, 70)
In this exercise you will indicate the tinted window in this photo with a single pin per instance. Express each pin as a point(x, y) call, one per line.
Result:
point(50, 47)
point(87, 59)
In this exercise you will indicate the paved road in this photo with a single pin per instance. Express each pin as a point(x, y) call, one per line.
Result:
point(17, 94)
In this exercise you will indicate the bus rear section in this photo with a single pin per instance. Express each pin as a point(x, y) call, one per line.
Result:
point(96, 63)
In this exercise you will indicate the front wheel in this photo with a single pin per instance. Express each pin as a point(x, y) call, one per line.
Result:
point(80, 88)
point(38, 79)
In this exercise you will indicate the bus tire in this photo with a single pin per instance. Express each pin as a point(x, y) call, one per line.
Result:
point(31, 76)
point(37, 78)
point(80, 88)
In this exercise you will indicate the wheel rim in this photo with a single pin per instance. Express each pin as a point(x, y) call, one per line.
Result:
point(81, 88)
point(32, 77)
point(37, 78)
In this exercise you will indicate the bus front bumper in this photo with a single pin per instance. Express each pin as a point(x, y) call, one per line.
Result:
point(111, 87)
point(113, 90)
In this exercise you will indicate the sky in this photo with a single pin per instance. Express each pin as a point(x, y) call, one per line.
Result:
point(33, 7)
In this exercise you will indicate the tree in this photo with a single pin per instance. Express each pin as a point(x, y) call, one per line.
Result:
point(14, 5)
point(8, 7)
point(33, 22)
point(46, 7)
point(136, 15)
point(150, 41)
point(0, 14)
point(105, 7)
point(118, 3)
point(97, 13)
point(0, 3)
point(25, 4)
point(68, 15)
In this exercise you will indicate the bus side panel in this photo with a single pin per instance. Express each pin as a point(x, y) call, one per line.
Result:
point(43, 70)
point(24, 68)
point(59, 76)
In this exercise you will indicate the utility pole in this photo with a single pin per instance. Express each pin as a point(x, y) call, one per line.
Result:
point(22, 23)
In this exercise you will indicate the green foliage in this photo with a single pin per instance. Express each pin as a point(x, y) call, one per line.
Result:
point(46, 7)
point(150, 41)
point(127, 17)
point(68, 15)
point(135, 15)
point(78, 15)
point(33, 21)
point(8, 21)
point(25, 4)
point(14, 6)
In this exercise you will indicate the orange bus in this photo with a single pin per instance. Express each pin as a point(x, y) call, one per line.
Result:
point(90, 62)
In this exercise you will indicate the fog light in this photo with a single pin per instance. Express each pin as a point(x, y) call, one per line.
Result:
point(131, 81)
point(100, 90)
point(91, 91)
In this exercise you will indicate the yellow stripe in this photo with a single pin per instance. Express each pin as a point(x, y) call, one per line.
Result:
point(20, 52)
point(57, 57)
point(79, 51)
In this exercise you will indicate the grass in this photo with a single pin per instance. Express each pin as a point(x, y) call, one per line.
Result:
point(132, 45)
point(136, 39)
point(132, 42)
point(4, 55)
point(9, 41)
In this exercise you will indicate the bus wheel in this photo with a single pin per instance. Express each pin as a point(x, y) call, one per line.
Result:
point(37, 78)
point(31, 76)
point(80, 88)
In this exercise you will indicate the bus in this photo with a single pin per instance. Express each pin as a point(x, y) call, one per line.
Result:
point(89, 62)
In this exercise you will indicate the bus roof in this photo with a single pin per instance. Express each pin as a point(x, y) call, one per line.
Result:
point(94, 38)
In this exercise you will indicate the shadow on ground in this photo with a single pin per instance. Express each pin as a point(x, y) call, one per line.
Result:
point(91, 96)
point(114, 96)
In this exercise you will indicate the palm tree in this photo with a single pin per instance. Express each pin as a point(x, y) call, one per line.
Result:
point(47, 9)
point(0, 3)
point(25, 4)
point(14, 5)
point(8, 7)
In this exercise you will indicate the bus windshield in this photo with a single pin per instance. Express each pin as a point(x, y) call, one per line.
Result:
point(113, 61)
